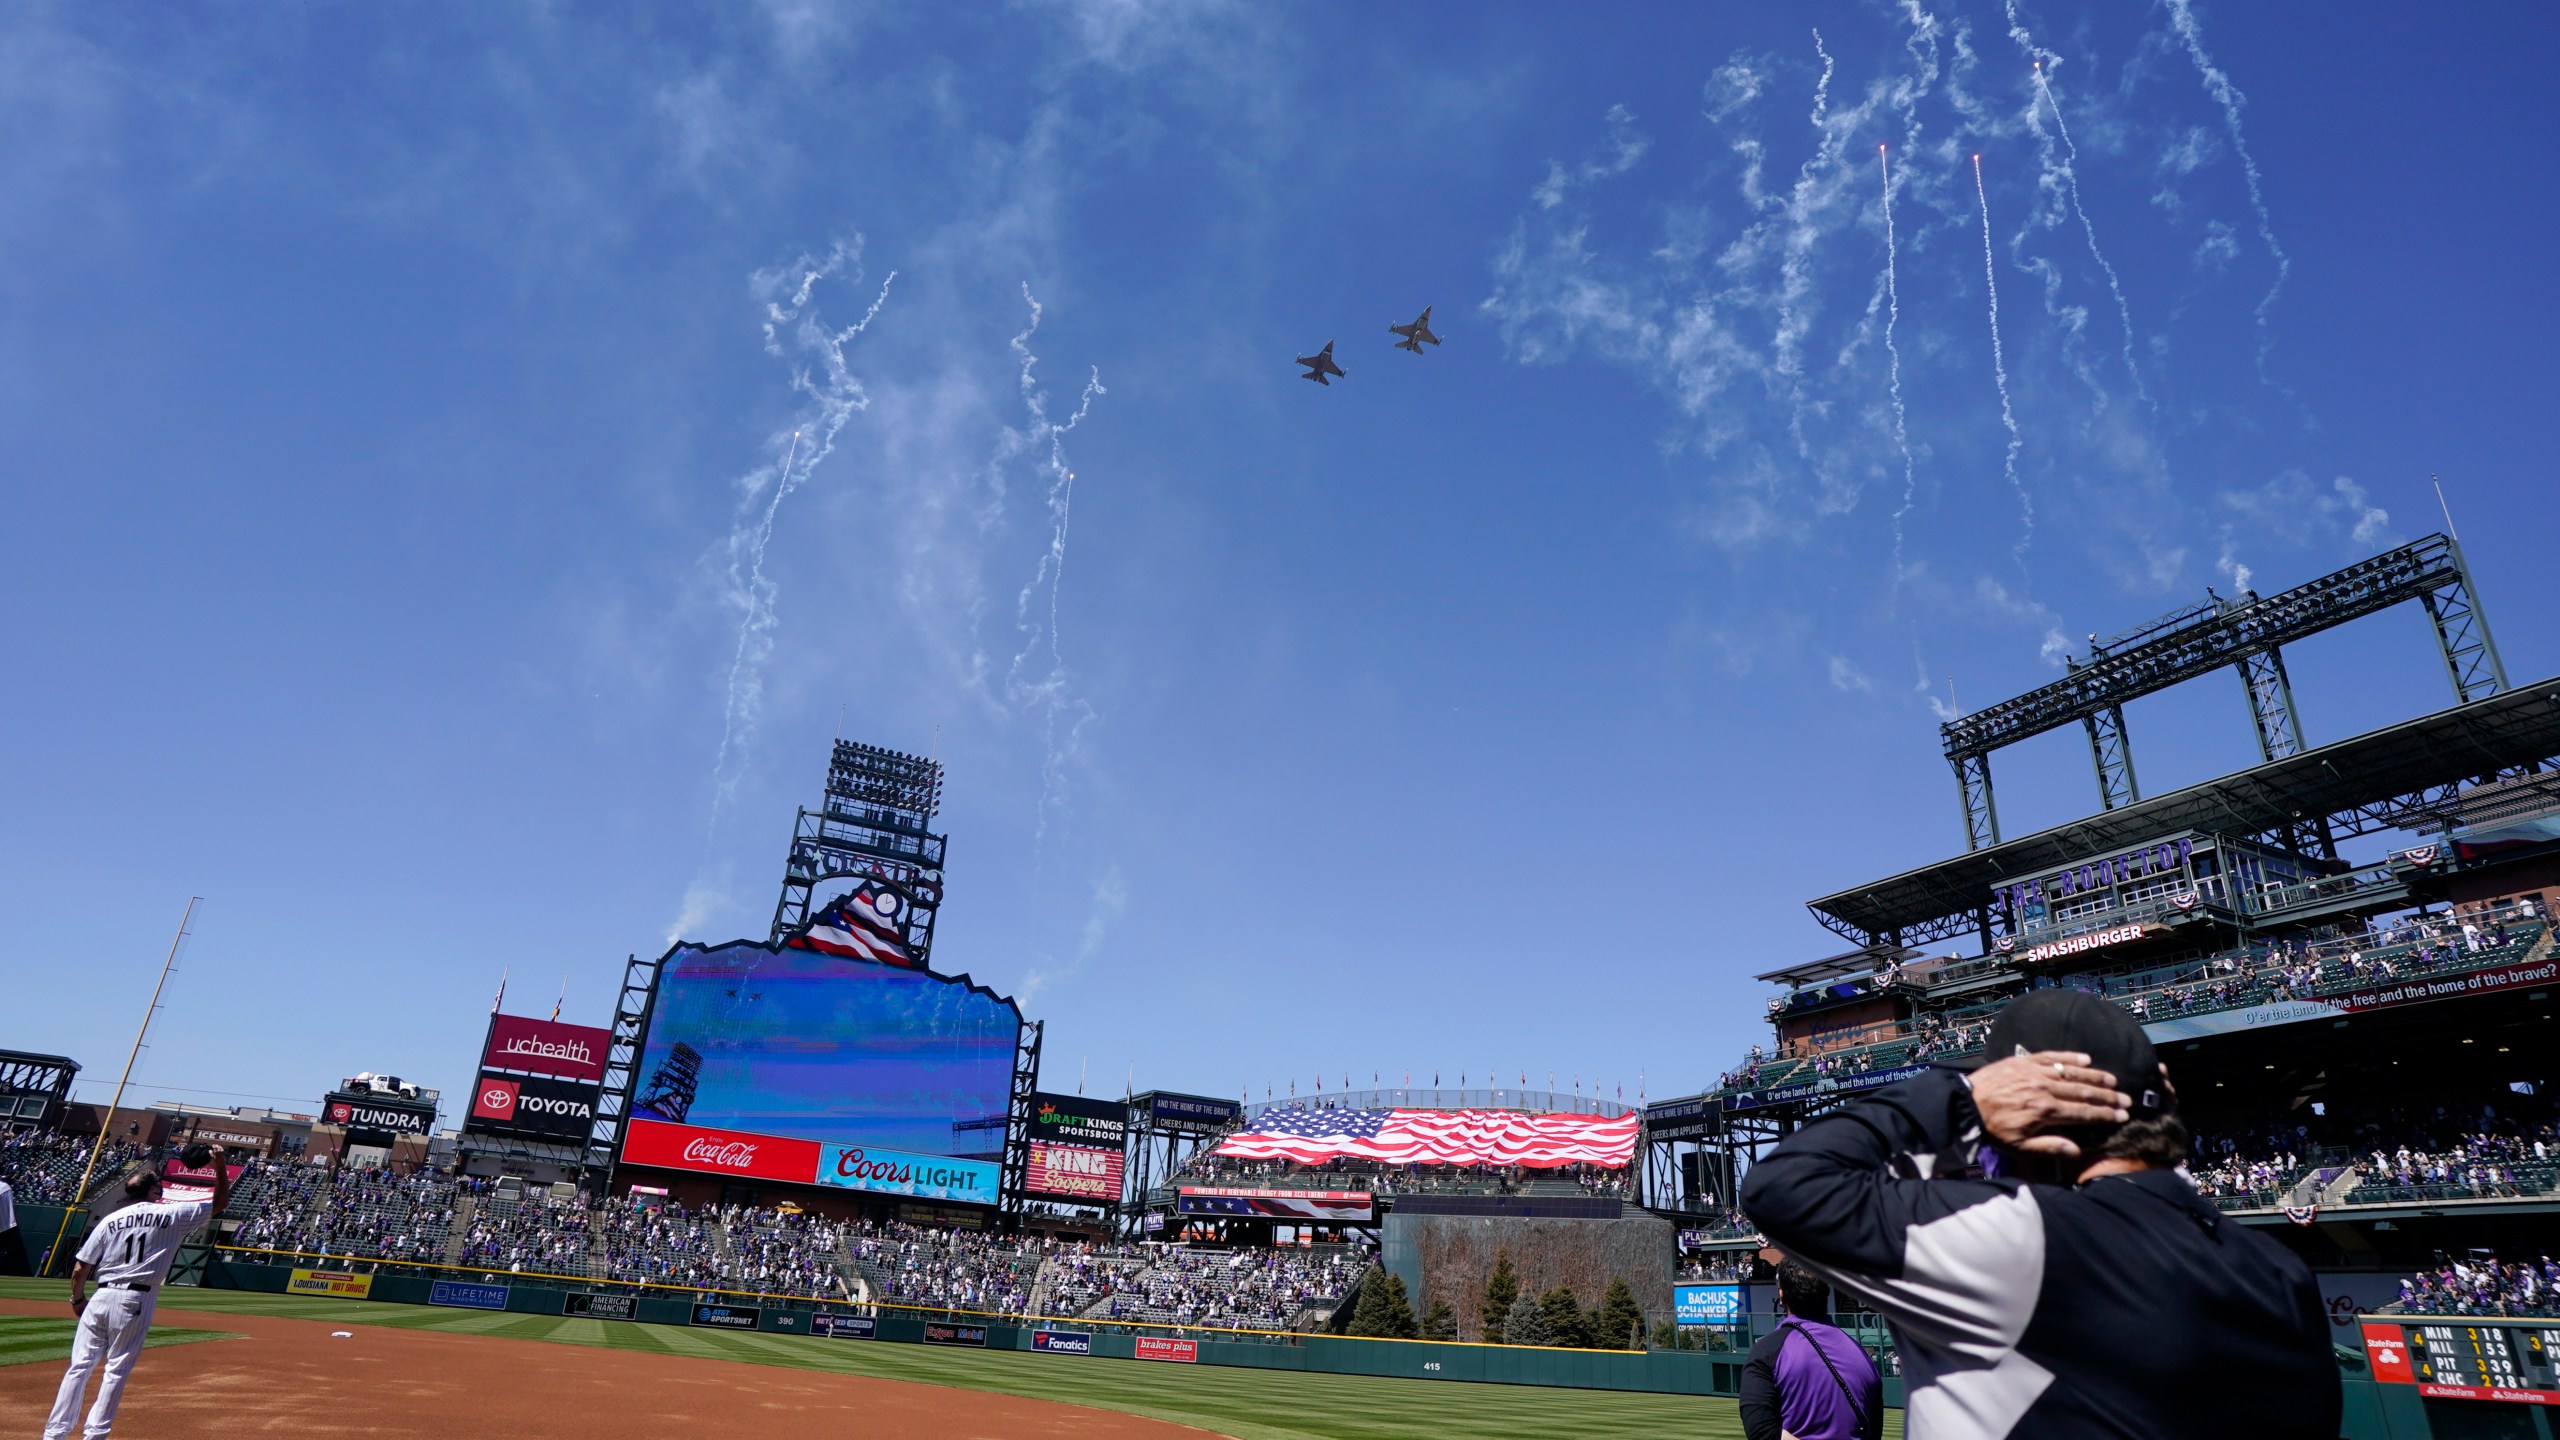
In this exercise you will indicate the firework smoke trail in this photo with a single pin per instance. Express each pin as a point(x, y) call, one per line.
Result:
point(2183, 20)
point(839, 396)
point(2069, 166)
point(1795, 277)
point(2000, 376)
point(791, 333)
point(2089, 231)
point(1893, 363)
point(1052, 692)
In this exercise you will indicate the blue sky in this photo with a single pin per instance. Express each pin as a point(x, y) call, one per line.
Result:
point(396, 399)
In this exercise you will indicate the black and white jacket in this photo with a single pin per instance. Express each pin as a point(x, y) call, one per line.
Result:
point(2126, 1307)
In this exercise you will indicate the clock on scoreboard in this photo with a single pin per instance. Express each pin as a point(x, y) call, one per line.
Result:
point(2465, 1357)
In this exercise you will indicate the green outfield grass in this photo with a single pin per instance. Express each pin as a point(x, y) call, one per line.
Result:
point(29, 1339)
point(1246, 1404)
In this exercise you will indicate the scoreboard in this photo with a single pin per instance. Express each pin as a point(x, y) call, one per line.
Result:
point(2466, 1358)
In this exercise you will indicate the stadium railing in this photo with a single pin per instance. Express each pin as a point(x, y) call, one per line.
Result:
point(1436, 1098)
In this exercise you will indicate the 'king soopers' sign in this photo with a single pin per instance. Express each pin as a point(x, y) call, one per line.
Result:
point(1074, 1172)
point(546, 1047)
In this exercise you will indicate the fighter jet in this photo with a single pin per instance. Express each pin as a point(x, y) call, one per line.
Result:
point(1319, 365)
point(1417, 334)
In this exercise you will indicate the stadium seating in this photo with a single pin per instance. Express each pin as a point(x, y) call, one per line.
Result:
point(2299, 969)
point(45, 1169)
point(2482, 1286)
point(295, 1209)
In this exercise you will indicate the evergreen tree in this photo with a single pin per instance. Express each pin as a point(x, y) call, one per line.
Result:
point(1395, 1310)
point(1439, 1322)
point(1564, 1317)
point(1501, 1289)
point(1526, 1324)
point(1618, 1325)
point(1369, 1311)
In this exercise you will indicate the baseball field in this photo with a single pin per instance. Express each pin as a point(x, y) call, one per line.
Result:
point(404, 1371)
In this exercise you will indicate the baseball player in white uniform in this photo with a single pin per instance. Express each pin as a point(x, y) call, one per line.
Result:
point(128, 1255)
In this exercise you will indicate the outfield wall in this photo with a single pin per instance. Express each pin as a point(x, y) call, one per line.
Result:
point(1660, 1371)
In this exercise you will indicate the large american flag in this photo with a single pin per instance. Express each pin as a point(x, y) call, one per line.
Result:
point(1437, 1137)
point(862, 925)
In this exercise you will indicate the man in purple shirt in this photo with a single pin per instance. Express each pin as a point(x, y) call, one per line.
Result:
point(1806, 1380)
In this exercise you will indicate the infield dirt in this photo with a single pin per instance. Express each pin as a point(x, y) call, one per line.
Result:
point(291, 1377)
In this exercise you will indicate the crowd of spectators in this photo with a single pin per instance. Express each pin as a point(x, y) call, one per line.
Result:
point(1715, 1265)
point(2249, 1184)
point(530, 1235)
point(2390, 1154)
point(1231, 1289)
point(381, 1215)
point(2311, 965)
point(43, 1168)
point(2482, 1285)
point(948, 1269)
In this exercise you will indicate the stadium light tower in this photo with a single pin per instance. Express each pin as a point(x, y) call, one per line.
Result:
point(2246, 633)
point(874, 823)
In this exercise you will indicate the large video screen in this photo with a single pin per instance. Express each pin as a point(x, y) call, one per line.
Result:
point(842, 1051)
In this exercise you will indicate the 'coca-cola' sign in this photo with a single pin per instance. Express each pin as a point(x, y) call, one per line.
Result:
point(735, 1153)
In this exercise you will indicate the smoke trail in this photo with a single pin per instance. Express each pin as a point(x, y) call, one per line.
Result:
point(2229, 97)
point(838, 396)
point(2000, 376)
point(816, 352)
point(2069, 171)
point(1794, 270)
point(1053, 692)
point(1893, 363)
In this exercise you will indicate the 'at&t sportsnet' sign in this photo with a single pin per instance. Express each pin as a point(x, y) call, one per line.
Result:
point(546, 1047)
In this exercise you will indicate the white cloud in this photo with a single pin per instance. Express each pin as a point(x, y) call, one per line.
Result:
point(1619, 154)
point(1848, 678)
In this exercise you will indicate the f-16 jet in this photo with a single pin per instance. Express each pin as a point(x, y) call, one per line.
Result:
point(1417, 334)
point(1320, 364)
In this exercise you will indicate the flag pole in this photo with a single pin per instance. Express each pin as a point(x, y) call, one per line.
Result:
point(107, 1122)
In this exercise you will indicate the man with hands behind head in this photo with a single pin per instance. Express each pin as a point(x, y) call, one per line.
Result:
point(2046, 1268)
point(128, 1255)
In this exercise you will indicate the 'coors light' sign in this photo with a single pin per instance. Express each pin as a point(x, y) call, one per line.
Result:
point(546, 1047)
point(735, 1153)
